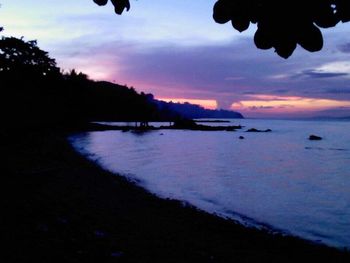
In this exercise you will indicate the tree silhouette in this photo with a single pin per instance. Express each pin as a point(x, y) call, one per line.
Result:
point(16, 55)
point(35, 93)
point(1, 28)
point(280, 24)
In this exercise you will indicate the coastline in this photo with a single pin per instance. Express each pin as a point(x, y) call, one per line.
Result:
point(60, 207)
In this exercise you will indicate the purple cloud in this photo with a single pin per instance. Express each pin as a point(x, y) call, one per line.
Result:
point(317, 74)
point(227, 72)
point(339, 91)
point(345, 48)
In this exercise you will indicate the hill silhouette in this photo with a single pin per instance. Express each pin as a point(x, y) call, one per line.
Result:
point(37, 93)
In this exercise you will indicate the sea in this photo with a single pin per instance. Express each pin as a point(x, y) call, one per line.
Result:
point(279, 180)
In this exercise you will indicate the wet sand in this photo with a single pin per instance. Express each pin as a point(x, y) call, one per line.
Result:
point(56, 206)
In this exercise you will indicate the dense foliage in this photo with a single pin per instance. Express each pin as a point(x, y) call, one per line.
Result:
point(35, 92)
point(17, 55)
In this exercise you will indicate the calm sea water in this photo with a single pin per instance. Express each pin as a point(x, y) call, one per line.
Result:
point(279, 180)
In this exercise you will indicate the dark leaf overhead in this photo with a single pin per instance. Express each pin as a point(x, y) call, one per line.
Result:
point(281, 24)
point(284, 24)
point(119, 5)
point(20, 56)
point(101, 2)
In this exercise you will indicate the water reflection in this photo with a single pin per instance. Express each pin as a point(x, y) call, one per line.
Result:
point(279, 178)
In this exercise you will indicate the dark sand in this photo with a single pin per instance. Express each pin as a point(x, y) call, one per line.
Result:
point(58, 207)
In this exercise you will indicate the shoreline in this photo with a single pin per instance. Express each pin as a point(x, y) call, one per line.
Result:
point(235, 218)
point(196, 127)
point(61, 207)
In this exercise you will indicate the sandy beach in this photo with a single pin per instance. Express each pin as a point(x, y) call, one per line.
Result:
point(59, 207)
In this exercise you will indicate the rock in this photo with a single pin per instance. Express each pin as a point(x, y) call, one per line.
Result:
point(99, 234)
point(252, 130)
point(62, 220)
point(43, 228)
point(241, 137)
point(313, 137)
point(185, 124)
point(256, 130)
point(117, 254)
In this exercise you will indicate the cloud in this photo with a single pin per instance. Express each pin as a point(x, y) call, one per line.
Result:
point(320, 74)
point(233, 78)
point(227, 72)
point(345, 48)
point(286, 106)
point(250, 93)
point(335, 67)
point(202, 72)
point(261, 108)
point(339, 112)
point(338, 91)
point(175, 49)
point(281, 91)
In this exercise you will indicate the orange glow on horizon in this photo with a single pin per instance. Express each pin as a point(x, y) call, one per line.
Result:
point(207, 104)
point(286, 104)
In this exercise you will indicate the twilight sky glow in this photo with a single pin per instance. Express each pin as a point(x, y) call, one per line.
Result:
point(175, 50)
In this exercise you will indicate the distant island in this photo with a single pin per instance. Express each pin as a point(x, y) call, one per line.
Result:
point(192, 111)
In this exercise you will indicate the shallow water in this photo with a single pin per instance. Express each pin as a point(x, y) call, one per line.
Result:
point(279, 179)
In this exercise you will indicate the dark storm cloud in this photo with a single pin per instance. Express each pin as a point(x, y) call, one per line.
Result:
point(281, 91)
point(226, 72)
point(207, 68)
point(345, 48)
point(310, 73)
point(338, 91)
point(316, 74)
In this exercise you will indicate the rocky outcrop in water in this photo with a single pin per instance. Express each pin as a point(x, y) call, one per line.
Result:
point(313, 137)
point(256, 130)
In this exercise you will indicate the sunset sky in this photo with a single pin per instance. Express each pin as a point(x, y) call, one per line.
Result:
point(174, 49)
